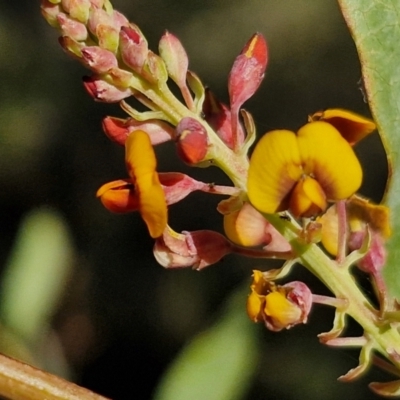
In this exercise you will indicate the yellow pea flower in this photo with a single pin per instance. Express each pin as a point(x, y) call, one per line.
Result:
point(302, 172)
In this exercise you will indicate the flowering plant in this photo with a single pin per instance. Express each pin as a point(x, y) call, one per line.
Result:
point(294, 198)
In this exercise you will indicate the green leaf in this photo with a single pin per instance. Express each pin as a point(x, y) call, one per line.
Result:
point(219, 363)
point(375, 27)
point(36, 274)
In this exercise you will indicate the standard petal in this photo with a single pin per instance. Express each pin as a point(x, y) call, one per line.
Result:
point(352, 127)
point(329, 158)
point(275, 167)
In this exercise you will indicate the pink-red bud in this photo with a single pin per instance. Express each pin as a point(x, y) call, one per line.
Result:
point(98, 60)
point(248, 71)
point(102, 91)
point(119, 129)
point(175, 58)
point(192, 141)
point(133, 47)
point(50, 12)
point(72, 28)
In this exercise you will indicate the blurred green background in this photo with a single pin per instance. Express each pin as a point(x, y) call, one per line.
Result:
point(81, 293)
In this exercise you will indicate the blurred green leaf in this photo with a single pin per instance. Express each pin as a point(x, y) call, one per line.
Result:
point(36, 274)
point(375, 26)
point(219, 363)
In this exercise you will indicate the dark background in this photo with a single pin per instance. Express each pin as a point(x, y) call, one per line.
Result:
point(123, 318)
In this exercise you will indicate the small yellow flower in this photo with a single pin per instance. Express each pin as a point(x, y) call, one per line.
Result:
point(302, 172)
point(279, 307)
point(361, 213)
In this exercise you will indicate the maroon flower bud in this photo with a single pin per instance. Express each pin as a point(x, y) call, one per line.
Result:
point(102, 91)
point(72, 28)
point(98, 60)
point(175, 58)
point(192, 141)
point(133, 47)
point(248, 71)
point(219, 117)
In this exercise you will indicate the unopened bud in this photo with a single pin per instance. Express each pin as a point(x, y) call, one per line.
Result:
point(154, 69)
point(97, 17)
point(71, 47)
point(72, 28)
point(102, 91)
point(108, 37)
point(98, 60)
point(192, 141)
point(175, 58)
point(133, 47)
point(247, 71)
point(50, 11)
point(119, 129)
point(78, 9)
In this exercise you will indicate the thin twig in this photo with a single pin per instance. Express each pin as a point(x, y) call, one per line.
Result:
point(20, 381)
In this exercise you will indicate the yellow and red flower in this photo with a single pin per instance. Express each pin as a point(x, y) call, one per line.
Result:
point(143, 191)
point(279, 307)
point(302, 172)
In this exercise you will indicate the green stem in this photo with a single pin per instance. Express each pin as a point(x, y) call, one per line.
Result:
point(386, 338)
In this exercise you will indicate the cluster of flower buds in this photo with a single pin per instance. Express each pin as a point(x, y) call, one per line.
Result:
point(294, 198)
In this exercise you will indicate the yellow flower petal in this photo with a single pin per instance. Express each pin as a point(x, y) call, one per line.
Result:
point(329, 158)
point(141, 163)
point(352, 127)
point(330, 230)
point(375, 215)
point(307, 198)
point(275, 167)
point(119, 196)
point(254, 307)
point(280, 309)
point(246, 226)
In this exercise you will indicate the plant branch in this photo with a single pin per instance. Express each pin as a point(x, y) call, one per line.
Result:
point(20, 381)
